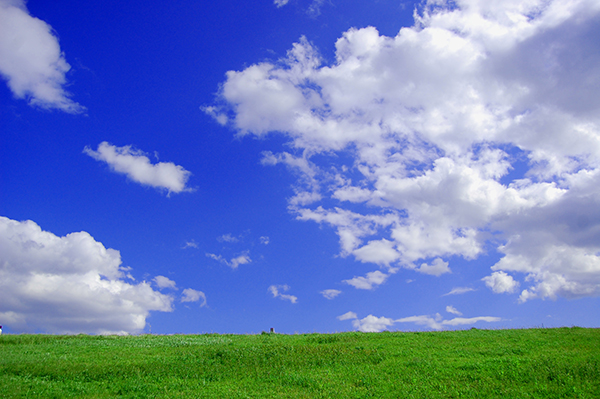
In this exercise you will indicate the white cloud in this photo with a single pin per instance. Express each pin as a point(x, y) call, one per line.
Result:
point(437, 323)
point(461, 321)
point(303, 198)
point(370, 281)
point(190, 244)
point(459, 291)
point(427, 151)
point(136, 165)
point(276, 291)
point(218, 258)
point(31, 60)
point(330, 294)
point(191, 295)
point(314, 10)
point(452, 309)
point(501, 282)
point(70, 284)
point(428, 321)
point(375, 324)
point(381, 252)
point(215, 113)
point(228, 238)
point(437, 267)
point(554, 267)
point(372, 324)
point(264, 240)
point(242, 259)
point(348, 316)
point(164, 282)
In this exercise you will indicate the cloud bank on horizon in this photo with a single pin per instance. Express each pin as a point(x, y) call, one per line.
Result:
point(73, 284)
point(372, 323)
point(477, 126)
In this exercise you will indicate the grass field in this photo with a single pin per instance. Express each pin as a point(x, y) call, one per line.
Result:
point(534, 363)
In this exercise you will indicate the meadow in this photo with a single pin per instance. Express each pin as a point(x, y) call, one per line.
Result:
point(530, 363)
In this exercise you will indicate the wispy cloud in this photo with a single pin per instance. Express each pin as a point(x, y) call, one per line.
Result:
point(136, 166)
point(31, 59)
point(314, 10)
point(228, 238)
point(164, 282)
point(459, 291)
point(369, 282)
point(190, 244)
point(242, 259)
point(277, 290)
point(331, 293)
point(191, 295)
point(347, 316)
point(453, 310)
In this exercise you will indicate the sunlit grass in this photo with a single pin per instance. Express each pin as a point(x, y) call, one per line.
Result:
point(536, 363)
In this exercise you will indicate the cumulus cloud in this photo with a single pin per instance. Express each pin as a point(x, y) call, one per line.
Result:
point(372, 324)
point(330, 294)
point(136, 166)
point(501, 282)
point(555, 268)
point(70, 284)
point(280, 3)
point(31, 60)
point(437, 267)
point(164, 282)
point(411, 146)
point(242, 259)
point(191, 295)
point(378, 251)
point(277, 290)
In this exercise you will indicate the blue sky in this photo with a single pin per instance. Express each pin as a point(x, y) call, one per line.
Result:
point(305, 165)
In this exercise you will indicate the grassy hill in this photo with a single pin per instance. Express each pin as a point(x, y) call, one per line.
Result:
point(534, 363)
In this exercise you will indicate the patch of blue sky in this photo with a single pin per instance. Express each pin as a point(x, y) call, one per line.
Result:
point(142, 70)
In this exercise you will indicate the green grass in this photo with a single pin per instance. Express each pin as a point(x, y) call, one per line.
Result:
point(535, 363)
